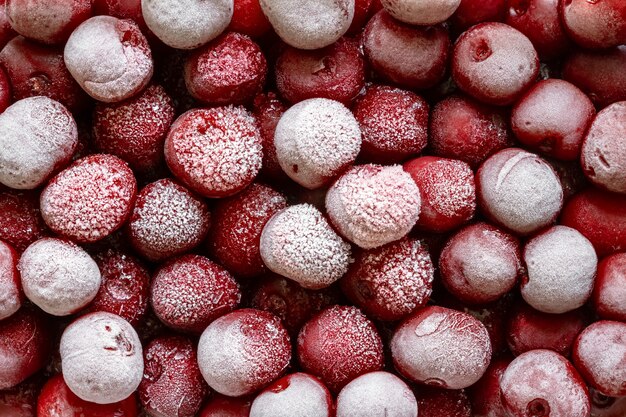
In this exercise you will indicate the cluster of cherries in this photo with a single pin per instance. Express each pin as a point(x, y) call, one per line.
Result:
point(313, 208)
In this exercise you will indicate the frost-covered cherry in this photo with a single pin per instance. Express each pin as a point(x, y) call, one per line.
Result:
point(187, 24)
point(122, 9)
point(234, 239)
point(376, 394)
point(392, 281)
point(609, 291)
point(309, 24)
point(421, 12)
point(243, 351)
point(189, 292)
point(485, 394)
point(249, 19)
point(38, 136)
point(223, 406)
point(372, 205)
point(20, 220)
point(543, 383)
point(447, 191)
point(561, 267)
point(336, 72)
point(172, 385)
point(480, 263)
point(316, 140)
point(268, 109)
point(57, 400)
point(339, 344)
point(11, 295)
point(461, 128)
point(412, 57)
point(494, 63)
point(441, 347)
point(519, 190)
point(167, 220)
point(101, 358)
point(59, 276)
point(47, 21)
point(90, 199)
point(25, 345)
point(552, 118)
point(109, 58)
point(394, 123)
point(298, 243)
point(135, 129)
point(216, 152)
point(229, 70)
point(297, 394)
point(471, 12)
point(602, 158)
point(438, 402)
point(595, 24)
point(530, 329)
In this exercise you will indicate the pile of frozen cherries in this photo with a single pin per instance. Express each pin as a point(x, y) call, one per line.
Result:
point(313, 208)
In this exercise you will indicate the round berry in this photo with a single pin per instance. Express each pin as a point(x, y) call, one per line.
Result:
point(243, 351)
point(11, 295)
point(20, 220)
point(249, 19)
point(609, 292)
point(268, 109)
point(216, 152)
point(595, 24)
point(436, 402)
point(223, 406)
point(421, 12)
point(485, 394)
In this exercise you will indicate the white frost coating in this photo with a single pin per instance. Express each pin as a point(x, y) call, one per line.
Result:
point(109, 67)
point(519, 190)
point(315, 139)
point(101, 358)
point(58, 276)
point(309, 24)
point(187, 24)
point(304, 396)
point(561, 266)
point(376, 394)
point(9, 279)
point(36, 135)
point(421, 12)
point(42, 20)
point(298, 243)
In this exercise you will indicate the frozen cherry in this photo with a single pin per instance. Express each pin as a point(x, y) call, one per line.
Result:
point(561, 267)
point(336, 72)
point(167, 220)
point(222, 406)
point(172, 385)
point(412, 57)
point(189, 292)
point(372, 205)
point(609, 292)
point(215, 152)
point(25, 345)
point(494, 63)
point(229, 70)
point(316, 140)
point(471, 12)
point(101, 358)
point(595, 24)
point(309, 24)
point(297, 394)
point(552, 118)
point(268, 109)
point(394, 123)
point(338, 345)
point(57, 400)
point(480, 263)
point(437, 402)
point(187, 24)
point(38, 136)
point(243, 351)
point(441, 347)
point(20, 220)
point(249, 19)
point(392, 281)
point(122, 9)
point(602, 158)
point(298, 243)
point(238, 221)
point(6, 31)
point(464, 129)
point(135, 129)
point(485, 394)
point(11, 295)
point(519, 190)
point(376, 394)
point(109, 58)
point(542, 383)
point(421, 12)
point(90, 199)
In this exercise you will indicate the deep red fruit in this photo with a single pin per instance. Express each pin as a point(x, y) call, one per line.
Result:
point(248, 18)
point(394, 124)
point(595, 24)
point(122, 9)
point(222, 406)
point(21, 400)
point(20, 219)
point(436, 402)
point(609, 292)
point(172, 385)
point(5, 90)
point(471, 12)
point(268, 109)
point(11, 294)
point(336, 72)
point(57, 400)
point(485, 394)
point(6, 31)
point(362, 11)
